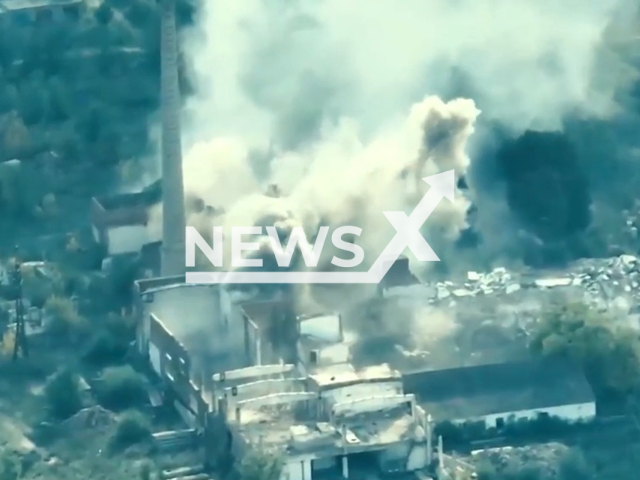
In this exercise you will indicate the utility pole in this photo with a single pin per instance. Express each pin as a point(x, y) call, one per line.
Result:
point(20, 342)
point(173, 215)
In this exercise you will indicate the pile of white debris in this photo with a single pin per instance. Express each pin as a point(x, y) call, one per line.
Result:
point(546, 458)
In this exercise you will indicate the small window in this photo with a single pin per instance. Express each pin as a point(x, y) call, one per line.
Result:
point(499, 423)
point(313, 357)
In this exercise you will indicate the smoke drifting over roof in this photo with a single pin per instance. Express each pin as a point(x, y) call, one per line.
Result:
point(344, 104)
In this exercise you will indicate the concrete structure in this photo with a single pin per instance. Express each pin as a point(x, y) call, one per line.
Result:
point(330, 423)
point(320, 413)
point(30, 12)
point(173, 223)
point(220, 352)
point(496, 394)
point(120, 223)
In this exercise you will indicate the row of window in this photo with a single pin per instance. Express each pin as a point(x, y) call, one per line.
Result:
point(43, 14)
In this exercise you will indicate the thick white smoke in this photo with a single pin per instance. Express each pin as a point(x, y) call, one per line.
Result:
point(342, 179)
point(313, 96)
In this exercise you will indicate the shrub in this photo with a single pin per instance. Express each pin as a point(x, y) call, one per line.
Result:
point(132, 429)
point(111, 344)
point(64, 321)
point(104, 349)
point(63, 394)
point(10, 468)
point(121, 388)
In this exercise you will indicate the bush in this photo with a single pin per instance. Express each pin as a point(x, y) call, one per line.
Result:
point(132, 429)
point(111, 344)
point(63, 395)
point(104, 349)
point(10, 468)
point(121, 388)
point(64, 321)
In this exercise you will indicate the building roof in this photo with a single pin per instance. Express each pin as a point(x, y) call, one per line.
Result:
point(150, 195)
point(345, 374)
point(125, 208)
point(471, 392)
point(13, 5)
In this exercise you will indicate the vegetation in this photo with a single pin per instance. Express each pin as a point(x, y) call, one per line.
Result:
point(110, 343)
point(260, 465)
point(540, 428)
point(75, 97)
point(121, 388)
point(572, 466)
point(10, 468)
point(64, 321)
point(609, 352)
point(133, 428)
point(63, 395)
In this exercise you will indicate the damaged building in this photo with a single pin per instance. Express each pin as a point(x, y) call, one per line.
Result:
point(320, 413)
point(120, 223)
point(330, 422)
point(331, 399)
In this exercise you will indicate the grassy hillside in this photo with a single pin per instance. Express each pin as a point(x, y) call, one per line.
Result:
point(76, 102)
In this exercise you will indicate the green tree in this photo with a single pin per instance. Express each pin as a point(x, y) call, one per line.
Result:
point(609, 352)
point(63, 394)
point(121, 388)
point(64, 320)
point(132, 429)
point(260, 465)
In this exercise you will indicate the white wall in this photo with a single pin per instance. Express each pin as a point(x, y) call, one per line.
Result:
point(126, 239)
point(323, 327)
point(154, 358)
point(362, 391)
point(572, 413)
point(418, 458)
point(296, 469)
point(333, 354)
point(96, 234)
point(130, 238)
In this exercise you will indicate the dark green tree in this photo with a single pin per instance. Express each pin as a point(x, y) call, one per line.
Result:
point(63, 394)
point(608, 351)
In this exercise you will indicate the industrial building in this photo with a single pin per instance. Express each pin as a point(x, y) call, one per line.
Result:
point(120, 223)
point(324, 411)
point(497, 394)
point(328, 422)
point(319, 414)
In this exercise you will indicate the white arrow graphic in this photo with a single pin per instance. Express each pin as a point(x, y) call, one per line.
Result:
point(407, 235)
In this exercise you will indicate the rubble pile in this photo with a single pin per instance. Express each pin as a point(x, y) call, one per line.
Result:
point(600, 281)
point(546, 457)
point(89, 418)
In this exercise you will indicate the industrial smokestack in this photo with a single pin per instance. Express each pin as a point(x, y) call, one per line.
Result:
point(173, 215)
